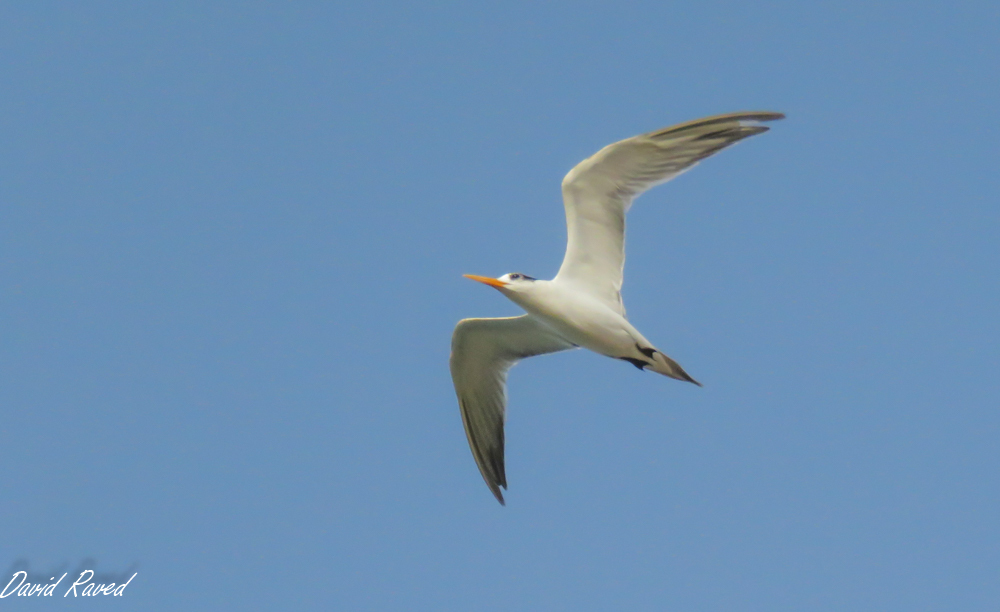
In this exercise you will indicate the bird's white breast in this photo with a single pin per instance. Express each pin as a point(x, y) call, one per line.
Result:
point(578, 317)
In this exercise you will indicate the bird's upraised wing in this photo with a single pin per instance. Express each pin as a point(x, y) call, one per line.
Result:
point(482, 351)
point(599, 191)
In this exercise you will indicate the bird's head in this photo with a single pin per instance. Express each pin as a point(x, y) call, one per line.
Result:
point(515, 281)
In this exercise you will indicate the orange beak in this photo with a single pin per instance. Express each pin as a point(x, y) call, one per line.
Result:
point(492, 282)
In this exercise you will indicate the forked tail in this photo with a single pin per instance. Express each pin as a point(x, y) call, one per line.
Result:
point(655, 361)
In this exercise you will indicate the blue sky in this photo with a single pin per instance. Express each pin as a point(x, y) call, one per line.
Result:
point(231, 245)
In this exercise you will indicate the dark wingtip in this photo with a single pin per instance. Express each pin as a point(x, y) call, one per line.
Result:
point(687, 378)
point(759, 116)
point(682, 375)
point(726, 118)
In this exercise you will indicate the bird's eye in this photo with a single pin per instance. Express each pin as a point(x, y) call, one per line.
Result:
point(515, 276)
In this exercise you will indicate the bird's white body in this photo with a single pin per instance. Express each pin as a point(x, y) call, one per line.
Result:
point(580, 318)
point(582, 305)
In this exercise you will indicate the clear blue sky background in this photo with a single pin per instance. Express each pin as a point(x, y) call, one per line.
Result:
point(231, 245)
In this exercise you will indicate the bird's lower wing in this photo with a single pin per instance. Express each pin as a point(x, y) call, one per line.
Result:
point(599, 191)
point(482, 351)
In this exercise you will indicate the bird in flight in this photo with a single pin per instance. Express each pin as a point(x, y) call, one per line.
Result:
point(581, 306)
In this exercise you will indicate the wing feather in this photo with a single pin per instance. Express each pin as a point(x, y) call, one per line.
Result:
point(599, 191)
point(482, 352)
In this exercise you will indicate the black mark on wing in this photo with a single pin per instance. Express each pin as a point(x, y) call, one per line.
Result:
point(648, 352)
point(639, 363)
